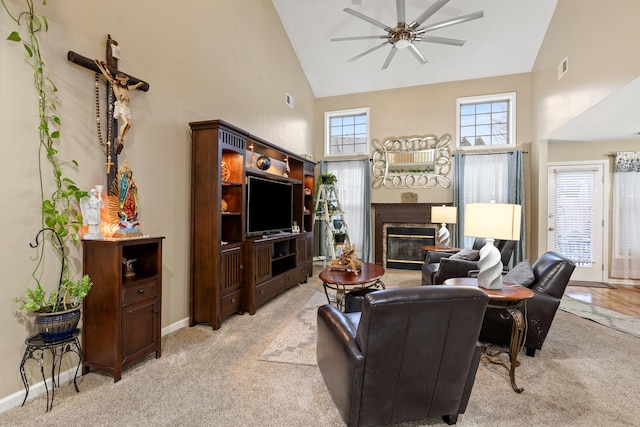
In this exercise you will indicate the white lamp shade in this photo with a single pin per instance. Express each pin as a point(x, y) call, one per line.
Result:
point(444, 214)
point(495, 220)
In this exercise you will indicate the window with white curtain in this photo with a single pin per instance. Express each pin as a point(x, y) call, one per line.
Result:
point(625, 260)
point(351, 188)
point(486, 178)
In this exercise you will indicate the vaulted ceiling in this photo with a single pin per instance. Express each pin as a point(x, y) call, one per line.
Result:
point(505, 41)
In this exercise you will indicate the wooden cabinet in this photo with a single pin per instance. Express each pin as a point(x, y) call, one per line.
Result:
point(122, 313)
point(233, 270)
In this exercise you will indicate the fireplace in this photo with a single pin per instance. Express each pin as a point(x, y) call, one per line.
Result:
point(404, 246)
point(407, 215)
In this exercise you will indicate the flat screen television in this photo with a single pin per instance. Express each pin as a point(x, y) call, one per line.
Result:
point(269, 206)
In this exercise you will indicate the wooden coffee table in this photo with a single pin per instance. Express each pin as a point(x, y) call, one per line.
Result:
point(342, 281)
point(510, 299)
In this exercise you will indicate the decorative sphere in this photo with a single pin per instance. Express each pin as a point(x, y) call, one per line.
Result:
point(263, 163)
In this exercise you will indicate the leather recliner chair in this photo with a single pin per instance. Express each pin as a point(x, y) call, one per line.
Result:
point(439, 266)
point(411, 353)
point(551, 272)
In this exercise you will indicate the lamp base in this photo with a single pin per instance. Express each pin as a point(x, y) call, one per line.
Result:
point(443, 237)
point(490, 265)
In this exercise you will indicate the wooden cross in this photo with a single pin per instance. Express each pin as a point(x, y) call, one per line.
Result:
point(112, 67)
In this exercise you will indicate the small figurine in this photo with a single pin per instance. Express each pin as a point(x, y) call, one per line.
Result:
point(90, 207)
point(128, 267)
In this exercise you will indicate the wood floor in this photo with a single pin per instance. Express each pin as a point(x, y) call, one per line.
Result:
point(621, 298)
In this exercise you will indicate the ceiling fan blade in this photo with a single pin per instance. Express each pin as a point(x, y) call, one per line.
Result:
point(339, 39)
point(368, 51)
point(443, 40)
point(449, 22)
point(387, 61)
point(400, 11)
point(417, 54)
point(428, 13)
point(366, 18)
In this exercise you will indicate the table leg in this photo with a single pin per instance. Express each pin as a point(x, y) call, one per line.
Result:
point(515, 342)
point(517, 335)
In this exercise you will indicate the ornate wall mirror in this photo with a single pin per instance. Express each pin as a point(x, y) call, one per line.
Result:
point(411, 162)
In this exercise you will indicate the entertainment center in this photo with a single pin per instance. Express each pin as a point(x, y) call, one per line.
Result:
point(251, 221)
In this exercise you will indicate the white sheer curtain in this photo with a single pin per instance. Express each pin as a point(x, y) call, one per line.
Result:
point(486, 178)
point(353, 191)
point(625, 260)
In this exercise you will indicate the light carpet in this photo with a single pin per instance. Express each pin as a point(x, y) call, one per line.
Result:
point(585, 375)
point(296, 343)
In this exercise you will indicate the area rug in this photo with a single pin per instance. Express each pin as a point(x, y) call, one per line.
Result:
point(614, 320)
point(589, 284)
point(296, 343)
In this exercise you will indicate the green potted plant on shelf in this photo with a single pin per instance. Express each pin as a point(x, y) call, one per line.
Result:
point(339, 236)
point(328, 178)
point(60, 215)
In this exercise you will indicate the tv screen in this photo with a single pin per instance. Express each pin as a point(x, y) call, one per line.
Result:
point(269, 206)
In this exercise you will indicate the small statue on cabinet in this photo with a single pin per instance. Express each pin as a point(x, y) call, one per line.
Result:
point(90, 207)
point(124, 205)
point(128, 267)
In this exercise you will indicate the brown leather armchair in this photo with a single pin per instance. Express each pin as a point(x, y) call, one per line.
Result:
point(439, 266)
point(551, 273)
point(411, 353)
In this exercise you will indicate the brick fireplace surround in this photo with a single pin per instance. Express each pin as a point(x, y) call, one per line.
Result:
point(413, 213)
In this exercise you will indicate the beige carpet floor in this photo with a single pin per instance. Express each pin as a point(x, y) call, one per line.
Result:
point(586, 375)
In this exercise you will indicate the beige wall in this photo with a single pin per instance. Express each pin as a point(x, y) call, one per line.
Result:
point(599, 39)
point(201, 64)
point(420, 110)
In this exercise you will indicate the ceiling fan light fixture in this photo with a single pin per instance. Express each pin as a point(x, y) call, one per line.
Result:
point(402, 44)
point(401, 39)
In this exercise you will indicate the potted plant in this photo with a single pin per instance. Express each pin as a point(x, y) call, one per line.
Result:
point(328, 178)
point(57, 313)
point(60, 214)
point(339, 236)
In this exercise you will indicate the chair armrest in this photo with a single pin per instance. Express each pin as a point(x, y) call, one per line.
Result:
point(450, 268)
point(434, 257)
point(340, 360)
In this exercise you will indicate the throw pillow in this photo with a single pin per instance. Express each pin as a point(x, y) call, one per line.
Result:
point(522, 274)
point(467, 254)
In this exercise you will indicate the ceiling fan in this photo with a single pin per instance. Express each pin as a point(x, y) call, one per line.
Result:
point(405, 35)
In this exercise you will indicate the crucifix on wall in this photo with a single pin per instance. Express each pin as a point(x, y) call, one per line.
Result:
point(119, 114)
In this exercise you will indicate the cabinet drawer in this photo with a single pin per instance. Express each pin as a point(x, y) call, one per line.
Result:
point(269, 289)
point(231, 303)
point(132, 293)
point(295, 276)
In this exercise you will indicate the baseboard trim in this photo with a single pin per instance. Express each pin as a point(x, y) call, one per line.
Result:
point(37, 389)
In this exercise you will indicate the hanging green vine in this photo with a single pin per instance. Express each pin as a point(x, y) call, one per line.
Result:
point(59, 212)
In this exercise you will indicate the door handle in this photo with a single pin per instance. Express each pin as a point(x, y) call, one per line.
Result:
point(551, 229)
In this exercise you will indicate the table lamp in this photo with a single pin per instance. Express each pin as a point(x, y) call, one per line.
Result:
point(492, 221)
point(444, 215)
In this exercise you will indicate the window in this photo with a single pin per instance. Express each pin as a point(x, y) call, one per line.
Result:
point(346, 132)
point(486, 121)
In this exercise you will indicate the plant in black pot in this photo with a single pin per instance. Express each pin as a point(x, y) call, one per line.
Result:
point(57, 313)
point(339, 236)
point(328, 178)
point(60, 218)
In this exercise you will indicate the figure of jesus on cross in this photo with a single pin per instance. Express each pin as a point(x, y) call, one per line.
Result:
point(121, 109)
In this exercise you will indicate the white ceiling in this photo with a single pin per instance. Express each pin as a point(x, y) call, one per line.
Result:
point(505, 41)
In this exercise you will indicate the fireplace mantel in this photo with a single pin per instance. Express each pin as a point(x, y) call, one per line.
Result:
point(416, 213)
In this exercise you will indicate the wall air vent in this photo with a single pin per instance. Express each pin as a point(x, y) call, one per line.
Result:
point(563, 68)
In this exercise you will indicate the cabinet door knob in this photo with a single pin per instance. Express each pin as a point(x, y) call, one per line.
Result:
point(141, 291)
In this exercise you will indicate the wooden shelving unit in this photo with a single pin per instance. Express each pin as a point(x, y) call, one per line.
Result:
point(232, 272)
